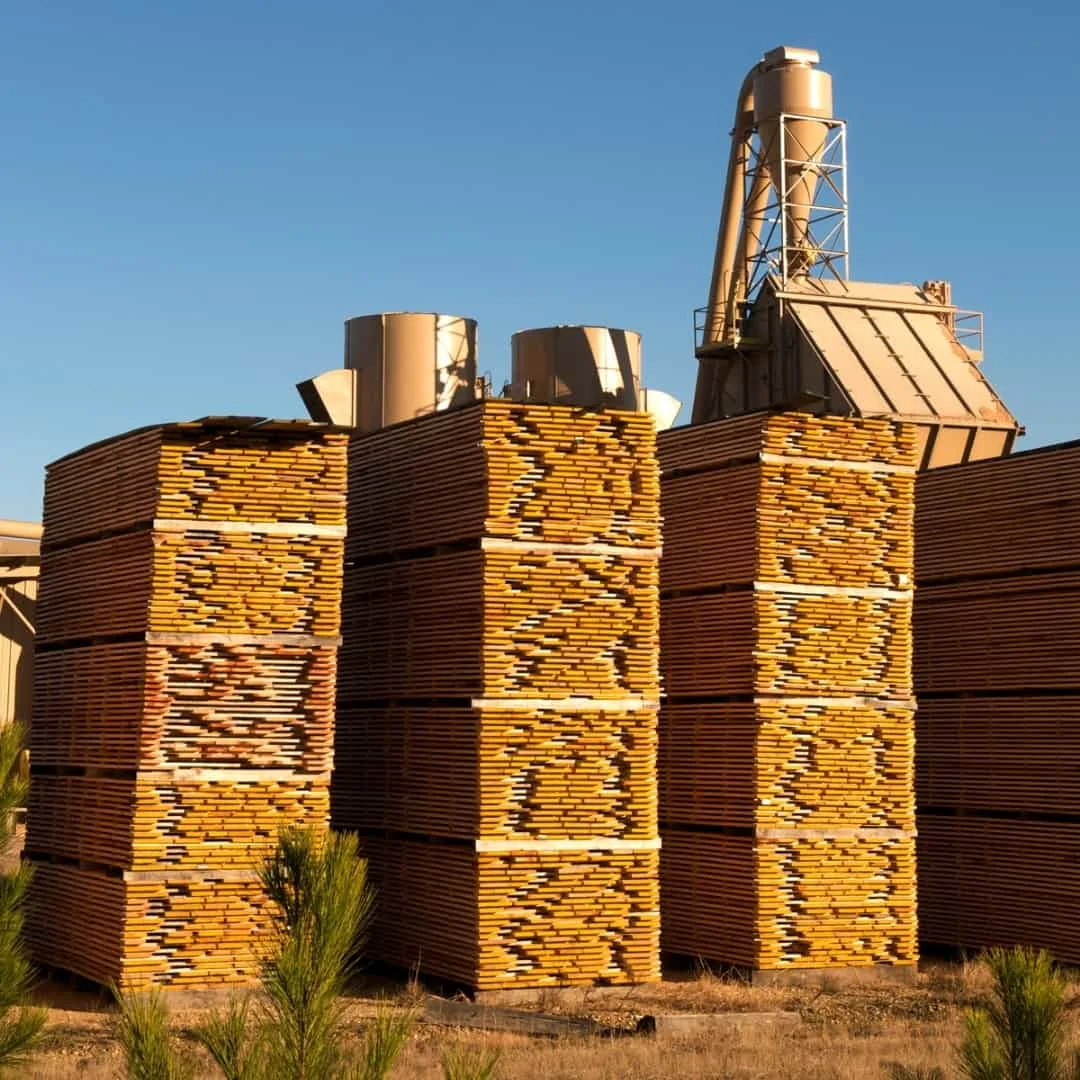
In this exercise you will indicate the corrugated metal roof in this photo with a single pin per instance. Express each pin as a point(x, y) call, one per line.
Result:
point(890, 353)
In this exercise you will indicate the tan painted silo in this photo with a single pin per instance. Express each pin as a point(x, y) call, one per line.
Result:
point(398, 365)
point(790, 86)
point(588, 366)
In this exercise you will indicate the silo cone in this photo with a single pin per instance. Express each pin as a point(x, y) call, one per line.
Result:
point(794, 89)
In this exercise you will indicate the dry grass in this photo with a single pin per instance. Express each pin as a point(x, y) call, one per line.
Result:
point(847, 1034)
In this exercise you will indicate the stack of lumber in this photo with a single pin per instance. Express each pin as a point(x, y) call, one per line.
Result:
point(997, 676)
point(497, 693)
point(786, 732)
point(188, 628)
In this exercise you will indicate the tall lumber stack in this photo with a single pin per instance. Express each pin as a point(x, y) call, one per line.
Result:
point(786, 732)
point(187, 633)
point(997, 629)
point(496, 732)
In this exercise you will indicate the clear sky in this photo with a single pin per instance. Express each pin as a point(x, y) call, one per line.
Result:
point(195, 195)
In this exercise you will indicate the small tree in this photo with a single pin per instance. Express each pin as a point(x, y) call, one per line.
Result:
point(319, 887)
point(142, 1027)
point(1020, 1035)
point(296, 1031)
point(383, 1042)
point(236, 1050)
point(20, 1025)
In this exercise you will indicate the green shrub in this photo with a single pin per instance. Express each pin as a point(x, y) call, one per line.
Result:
point(318, 887)
point(142, 1026)
point(1020, 1035)
point(462, 1062)
point(20, 1024)
point(384, 1040)
point(236, 1049)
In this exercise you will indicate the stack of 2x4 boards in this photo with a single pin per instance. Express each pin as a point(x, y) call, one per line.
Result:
point(786, 732)
point(997, 671)
point(188, 622)
point(496, 734)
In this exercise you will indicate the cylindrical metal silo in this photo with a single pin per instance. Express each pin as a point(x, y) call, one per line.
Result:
point(791, 87)
point(589, 366)
point(408, 364)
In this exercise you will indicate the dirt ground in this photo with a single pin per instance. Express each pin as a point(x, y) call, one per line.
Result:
point(845, 1034)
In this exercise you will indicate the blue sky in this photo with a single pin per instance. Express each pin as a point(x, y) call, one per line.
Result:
point(196, 195)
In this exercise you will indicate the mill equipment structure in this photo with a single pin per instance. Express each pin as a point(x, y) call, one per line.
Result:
point(398, 365)
point(403, 365)
point(785, 326)
point(20, 561)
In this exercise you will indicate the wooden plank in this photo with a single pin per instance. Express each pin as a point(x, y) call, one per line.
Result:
point(464, 1014)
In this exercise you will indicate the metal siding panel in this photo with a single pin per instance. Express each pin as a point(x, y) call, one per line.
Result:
point(860, 326)
point(17, 652)
point(364, 353)
point(975, 392)
point(410, 366)
point(845, 366)
point(847, 339)
point(7, 667)
point(950, 447)
point(990, 443)
point(924, 434)
point(922, 355)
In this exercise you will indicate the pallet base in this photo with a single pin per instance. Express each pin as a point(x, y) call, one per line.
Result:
point(871, 975)
point(567, 996)
point(59, 982)
point(679, 966)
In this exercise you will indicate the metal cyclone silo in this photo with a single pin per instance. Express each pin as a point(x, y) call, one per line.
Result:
point(409, 364)
point(588, 366)
point(398, 365)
